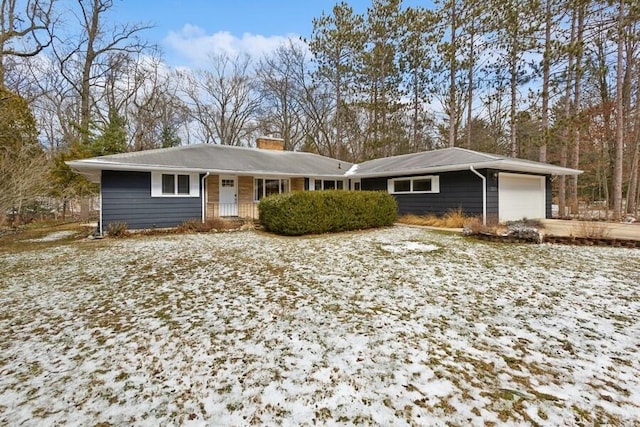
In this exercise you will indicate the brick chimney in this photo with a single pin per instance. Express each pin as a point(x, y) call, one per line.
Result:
point(269, 143)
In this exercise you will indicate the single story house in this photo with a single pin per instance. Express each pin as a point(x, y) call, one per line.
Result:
point(165, 187)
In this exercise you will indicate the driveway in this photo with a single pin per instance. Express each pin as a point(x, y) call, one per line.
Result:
point(575, 228)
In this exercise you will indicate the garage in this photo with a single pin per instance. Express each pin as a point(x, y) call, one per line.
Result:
point(520, 196)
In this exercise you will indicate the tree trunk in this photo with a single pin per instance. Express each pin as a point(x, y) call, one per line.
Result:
point(632, 195)
point(546, 68)
point(514, 93)
point(453, 113)
point(619, 147)
point(470, 81)
point(575, 154)
point(85, 86)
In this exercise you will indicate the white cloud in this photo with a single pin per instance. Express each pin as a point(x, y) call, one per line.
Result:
point(194, 46)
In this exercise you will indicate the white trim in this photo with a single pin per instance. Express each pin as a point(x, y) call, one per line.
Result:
point(353, 183)
point(204, 196)
point(156, 184)
point(89, 169)
point(506, 165)
point(484, 195)
point(435, 184)
point(101, 225)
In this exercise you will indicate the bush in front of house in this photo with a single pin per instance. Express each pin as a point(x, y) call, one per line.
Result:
point(117, 229)
point(317, 212)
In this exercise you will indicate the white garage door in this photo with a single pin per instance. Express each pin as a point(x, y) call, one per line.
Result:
point(520, 196)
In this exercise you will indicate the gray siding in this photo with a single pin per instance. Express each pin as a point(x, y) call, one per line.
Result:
point(126, 197)
point(460, 189)
point(492, 195)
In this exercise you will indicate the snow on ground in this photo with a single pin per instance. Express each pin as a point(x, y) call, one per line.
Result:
point(247, 328)
point(51, 237)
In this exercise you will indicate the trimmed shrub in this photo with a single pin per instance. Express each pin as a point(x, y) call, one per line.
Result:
point(317, 212)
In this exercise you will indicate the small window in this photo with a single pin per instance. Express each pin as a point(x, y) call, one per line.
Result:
point(228, 183)
point(328, 184)
point(183, 184)
point(168, 184)
point(418, 184)
point(403, 186)
point(174, 185)
point(422, 184)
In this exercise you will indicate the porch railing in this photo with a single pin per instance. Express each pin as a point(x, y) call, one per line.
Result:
point(239, 210)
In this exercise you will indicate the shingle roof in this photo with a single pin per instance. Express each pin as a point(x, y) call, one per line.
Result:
point(222, 159)
point(450, 159)
point(219, 159)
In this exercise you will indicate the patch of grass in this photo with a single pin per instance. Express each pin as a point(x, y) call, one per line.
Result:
point(29, 237)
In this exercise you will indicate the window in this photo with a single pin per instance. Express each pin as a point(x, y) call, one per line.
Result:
point(417, 184)
point(403, 186)
point(263, 187)
point(183, 184)
point(175, 185)
point(171, 185)
point(328, 184)
point(271, 186)
point(168, 184)
point(422, 185)
point(228, 183)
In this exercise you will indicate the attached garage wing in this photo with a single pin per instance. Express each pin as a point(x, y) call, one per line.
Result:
point(520, 196)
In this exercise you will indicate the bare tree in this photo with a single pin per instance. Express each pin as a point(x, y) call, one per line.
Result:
point(24, 177)
point(23, 166)
point(156, 114)
point(24, 33)
point(279, 89)
point(224, 102)
point(84, 60)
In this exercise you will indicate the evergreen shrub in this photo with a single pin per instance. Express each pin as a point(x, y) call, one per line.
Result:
point(317, 212)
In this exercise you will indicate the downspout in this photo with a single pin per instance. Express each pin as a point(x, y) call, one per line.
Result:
point(203, 195)
point(100, 217)
point(484, 194)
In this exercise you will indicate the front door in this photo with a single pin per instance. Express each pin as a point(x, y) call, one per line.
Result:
point(228, 195)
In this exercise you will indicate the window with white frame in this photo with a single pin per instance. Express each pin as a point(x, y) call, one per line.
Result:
point(328, 184)
point(174, 185)
point(414, 184)
point(263, 187)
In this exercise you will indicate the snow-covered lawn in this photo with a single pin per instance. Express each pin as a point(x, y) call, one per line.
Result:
point(400, 326)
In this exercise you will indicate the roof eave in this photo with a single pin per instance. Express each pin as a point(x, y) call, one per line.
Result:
point(505, 164)
point(92, 169)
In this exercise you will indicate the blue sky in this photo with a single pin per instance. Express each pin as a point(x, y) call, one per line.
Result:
point(188, 30)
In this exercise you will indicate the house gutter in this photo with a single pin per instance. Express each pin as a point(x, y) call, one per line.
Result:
point(484, 194)
point(203, 195)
